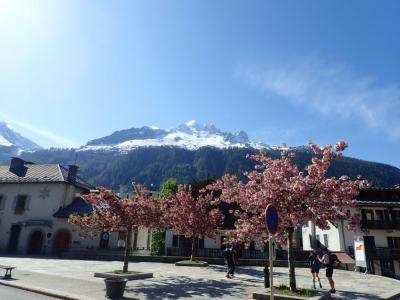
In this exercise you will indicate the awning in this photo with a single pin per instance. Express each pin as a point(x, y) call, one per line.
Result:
point(78, 206)
point(344, 258)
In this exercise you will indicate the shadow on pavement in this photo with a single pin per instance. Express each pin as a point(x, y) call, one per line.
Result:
point(186, 287)
point(239, 270)
point(9, 279)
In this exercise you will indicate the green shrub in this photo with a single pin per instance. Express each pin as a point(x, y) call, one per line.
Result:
point(158, 243)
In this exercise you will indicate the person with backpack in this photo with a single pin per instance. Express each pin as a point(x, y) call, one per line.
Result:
point(330, 260)
point(314, 265)
point(230, 261)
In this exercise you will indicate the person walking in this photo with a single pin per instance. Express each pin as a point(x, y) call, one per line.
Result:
point(330, 261)
point(314, 265)
point(230, 261)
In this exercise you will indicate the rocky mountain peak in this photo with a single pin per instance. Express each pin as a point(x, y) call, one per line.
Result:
point(190, 135)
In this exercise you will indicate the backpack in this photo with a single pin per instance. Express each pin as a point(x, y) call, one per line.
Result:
point(228, 254)
point(313, 262)
point(334, 261)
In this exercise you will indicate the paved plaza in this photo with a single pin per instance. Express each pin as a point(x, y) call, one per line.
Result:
point(74, 279)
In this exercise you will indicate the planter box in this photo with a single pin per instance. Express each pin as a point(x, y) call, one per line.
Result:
point(187, 264)
point(264, 295)
point(133, 276)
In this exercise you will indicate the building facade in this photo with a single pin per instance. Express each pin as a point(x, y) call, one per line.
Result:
point(380, 229)
point(31, 195)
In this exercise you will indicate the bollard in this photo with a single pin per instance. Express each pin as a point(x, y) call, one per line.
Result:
point(266, 277)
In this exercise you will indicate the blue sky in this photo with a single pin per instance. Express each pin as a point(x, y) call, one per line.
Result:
point(284, 71)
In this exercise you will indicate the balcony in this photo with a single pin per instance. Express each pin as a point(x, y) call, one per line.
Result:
point(383, 253)
point(375, 224)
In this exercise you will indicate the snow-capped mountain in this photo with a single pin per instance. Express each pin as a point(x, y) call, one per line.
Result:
point(191, 135)
point(12, 143)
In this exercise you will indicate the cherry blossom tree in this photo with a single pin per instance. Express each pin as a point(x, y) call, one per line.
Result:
point(298, 196)
point(192, 214)
point(110, 213)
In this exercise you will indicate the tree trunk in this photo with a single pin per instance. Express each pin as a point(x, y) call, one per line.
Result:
point(292, 275)
point(193, 248)
point(313, 236)
point(127, 253)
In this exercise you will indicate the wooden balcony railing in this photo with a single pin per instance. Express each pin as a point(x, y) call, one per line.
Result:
point(374, 224)
point(383, 252)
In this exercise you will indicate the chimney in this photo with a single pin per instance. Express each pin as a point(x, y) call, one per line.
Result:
point(17, 164)
point(72, 172)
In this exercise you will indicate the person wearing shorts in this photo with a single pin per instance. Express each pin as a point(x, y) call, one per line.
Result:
point(314, 265)
point(327, 261)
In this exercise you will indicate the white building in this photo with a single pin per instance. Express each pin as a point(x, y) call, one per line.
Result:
point(31, 195)
point(35, 202)
point(380, 229)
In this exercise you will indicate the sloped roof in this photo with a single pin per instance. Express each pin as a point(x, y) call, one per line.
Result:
point(78, 206)
point(78, 181)
point(40, 173)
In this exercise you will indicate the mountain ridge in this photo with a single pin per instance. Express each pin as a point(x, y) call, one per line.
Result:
point(190, 135)
point(190, 151)
point(12, 143)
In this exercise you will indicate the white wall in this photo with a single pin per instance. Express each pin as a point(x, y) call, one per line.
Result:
point(37, 208)
point(212, 243)
point(142, 237)
point(334, 242)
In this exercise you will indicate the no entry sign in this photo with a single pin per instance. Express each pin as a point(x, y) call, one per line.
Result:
point(271, 219)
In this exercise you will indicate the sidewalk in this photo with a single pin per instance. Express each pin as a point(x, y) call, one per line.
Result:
point(56, 286)
point(73, 280)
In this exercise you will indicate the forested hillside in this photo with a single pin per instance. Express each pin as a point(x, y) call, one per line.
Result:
point(151, 165)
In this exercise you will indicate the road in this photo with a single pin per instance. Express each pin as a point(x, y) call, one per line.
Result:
point(9, 293)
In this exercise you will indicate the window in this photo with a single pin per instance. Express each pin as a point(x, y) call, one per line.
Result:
point(305, 225)
point(175, 241)
point(369, 214)
point(326, 241)
point(2, 202)
point(252, 246)
point(201, 243)
point(382, 216)
point(122, 235)
point(20, 205)
point(396, 216)
point(379, 215)
point(393, 242)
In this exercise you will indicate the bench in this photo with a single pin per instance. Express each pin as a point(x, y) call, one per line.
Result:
point(8, 271)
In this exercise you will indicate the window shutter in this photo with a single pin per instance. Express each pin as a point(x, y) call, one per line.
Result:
point(2, 202)
point(14, 204)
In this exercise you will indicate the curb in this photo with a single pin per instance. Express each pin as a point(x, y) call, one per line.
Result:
point(42, 291)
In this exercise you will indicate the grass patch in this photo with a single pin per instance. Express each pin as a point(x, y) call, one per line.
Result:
point(285, 290)
point(192, 262)
point(124, 273)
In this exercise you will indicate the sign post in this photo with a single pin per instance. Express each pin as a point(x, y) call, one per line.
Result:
point(272, 222)
point(359, 252)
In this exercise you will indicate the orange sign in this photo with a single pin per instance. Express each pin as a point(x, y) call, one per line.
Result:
point(359, 248)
